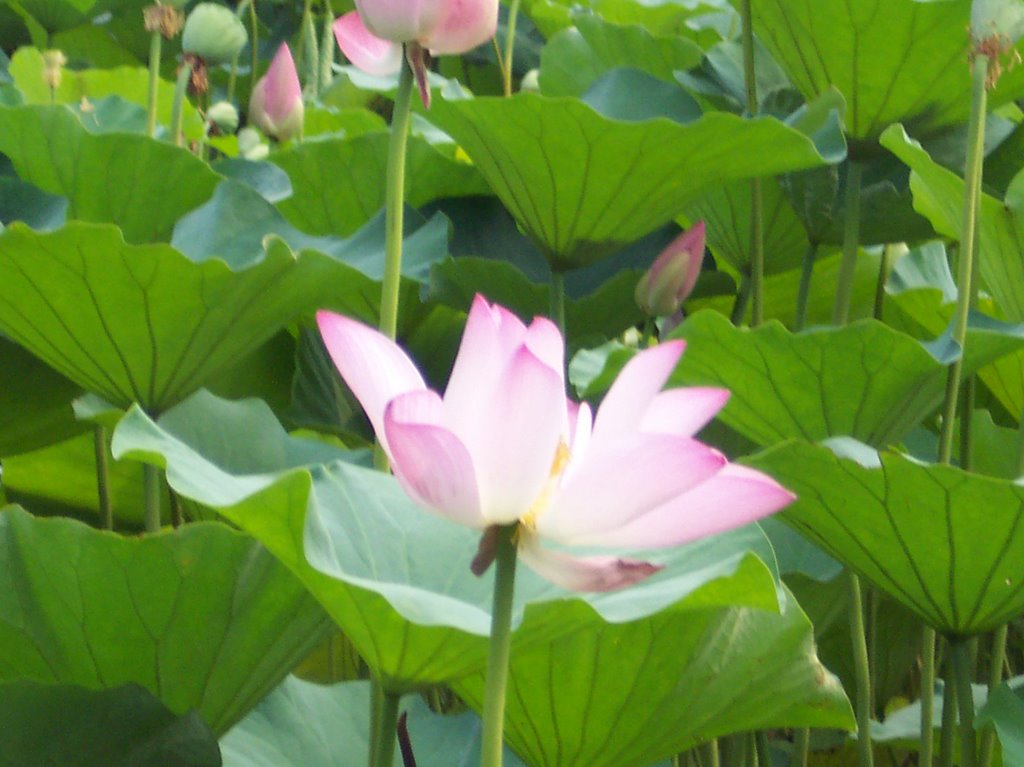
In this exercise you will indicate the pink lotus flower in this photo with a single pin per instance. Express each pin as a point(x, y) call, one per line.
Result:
point(672, 277)
point(371, 37)
point(505, 446)
point(275, 105)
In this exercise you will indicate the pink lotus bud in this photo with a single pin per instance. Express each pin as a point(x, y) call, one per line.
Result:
point(671, 278)
point(275, 105)
point(441, 26)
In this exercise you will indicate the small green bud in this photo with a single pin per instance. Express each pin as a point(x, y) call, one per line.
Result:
point(530, 81)
point(214, 34)
point(224, 115)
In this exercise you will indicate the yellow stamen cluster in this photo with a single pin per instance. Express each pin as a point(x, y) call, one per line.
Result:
point(540, 505)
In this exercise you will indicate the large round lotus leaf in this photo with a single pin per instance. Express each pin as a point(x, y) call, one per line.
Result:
point(144, 323)
point(122, 727)
point(902, 60)
point(202, 617)
point(583, 185)
point(945, 543)
point(140, 184)
point(643, 691)
point(395, 578)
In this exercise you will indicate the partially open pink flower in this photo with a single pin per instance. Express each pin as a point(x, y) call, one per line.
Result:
point(372, 39)
point(505, 446)
point(275, 105)
point(673, 275)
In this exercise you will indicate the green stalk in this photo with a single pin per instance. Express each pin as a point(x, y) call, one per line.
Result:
point(927, 694)
point(500, 645)
point(376, 712)
point(648, 334)
point(327, 46)
point(948, 719)
point(756, 187)
point(557, 299)
point(884, 266)
point(763, 749)
point(851, 241)
point(962, 667)
point(739, 306)
point(254, 39)
point(803, 746)
point(178, 110)
point(510, 42)
point(863, 675)
point(804, 294)
point(99, 441)
point(395, 197)
point(155, 45)
point(310, 56)
point(714, 754)
point(383, 751)
point(972, 192)
point(995, 677)
point(151, 493)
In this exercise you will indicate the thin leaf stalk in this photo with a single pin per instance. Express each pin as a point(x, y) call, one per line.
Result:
point(394, 201)
point(851, 242)
point(927, 694)
point(383, 752)
point(995, 677)
point(963, 667)
point(557, 301)
point(804, 292)
point(803, 746)
point(155, 47)
point(949, 703)
point(862, 671)
point(99, 441)
point(756, 185)
point(500, 648)
point(178, 106)
point(510, 43)
point(327, 49)
point(965, 270)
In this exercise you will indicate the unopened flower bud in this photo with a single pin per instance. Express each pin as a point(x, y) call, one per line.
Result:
point(673, 275)
point(53, 68)
point(224, 115)
point(213, 33)
point(275, 105)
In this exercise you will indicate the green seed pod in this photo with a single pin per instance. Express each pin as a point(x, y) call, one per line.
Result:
point(224, 115)
point(213, 33)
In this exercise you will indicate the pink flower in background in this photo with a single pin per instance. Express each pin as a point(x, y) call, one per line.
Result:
point(673, 275)
point(275, 105)
point(371, 37)
point(505, 446)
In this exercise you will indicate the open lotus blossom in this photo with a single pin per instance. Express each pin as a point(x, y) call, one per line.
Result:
point(276, 102)
point(504, 445)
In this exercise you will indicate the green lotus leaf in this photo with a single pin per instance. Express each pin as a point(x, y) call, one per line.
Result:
point(691, 676)
point(897, 61)
point(913, 530)
point(583, 185)
point(140, 184)
point(395, 578)
point(121, 727)
point(203, 617)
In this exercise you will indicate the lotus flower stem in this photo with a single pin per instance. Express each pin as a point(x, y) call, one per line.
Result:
point(178, 109)
point(714, 757)
point(962, 667)
point(995, 676)
point(739, 307)
point(155, 46)
point(756, 187)
point(99, 436)
point(501, 641)
point(804, 293)
point(510, 42)
point(254, 41)
point(327, 49)
point(395, 194)
point(884, 267)
point(862, 671)
point(151, 494)
point(927, 693)
point(310, 55)
point(851, 241)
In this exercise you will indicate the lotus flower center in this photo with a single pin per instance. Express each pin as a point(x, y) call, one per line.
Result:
point(543, 500)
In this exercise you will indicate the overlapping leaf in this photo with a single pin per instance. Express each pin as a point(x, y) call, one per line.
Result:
point(947, 544)
point(202, 617)
point(394, 578)
point(583, 185)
